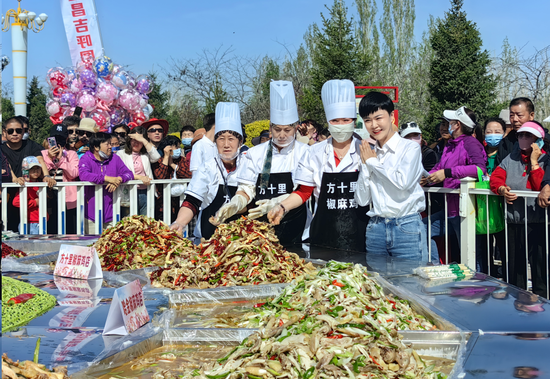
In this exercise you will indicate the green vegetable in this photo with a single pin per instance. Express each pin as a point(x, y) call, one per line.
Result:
point(20, 314)
point(195, 372)
point(221, 360)
point(36, 351)
point(220, 376)
point(359, 362)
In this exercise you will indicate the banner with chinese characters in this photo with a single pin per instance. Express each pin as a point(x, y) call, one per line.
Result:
point(79, 262)
point(127, 312)
point(82, 29)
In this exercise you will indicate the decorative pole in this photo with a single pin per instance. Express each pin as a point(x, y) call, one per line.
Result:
point(23, 20)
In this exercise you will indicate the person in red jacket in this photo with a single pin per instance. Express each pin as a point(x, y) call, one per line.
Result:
point(523, 170)
point(31, 166)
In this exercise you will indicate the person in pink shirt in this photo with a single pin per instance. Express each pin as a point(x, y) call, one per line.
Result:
point(64, 163)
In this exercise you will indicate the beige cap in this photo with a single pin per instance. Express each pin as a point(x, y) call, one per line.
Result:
point(505, 115)
point(88, 125)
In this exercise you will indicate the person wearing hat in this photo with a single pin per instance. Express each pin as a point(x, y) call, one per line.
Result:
point(62, 165)
point(263, 137)
point(462, 157)
point(268, 174)
point(523, 170)
point(412, 131)
point(329, 170)
point(204, 149)
point(157, 129)
point(86, 129)
point(215, 183)
point(33, 168)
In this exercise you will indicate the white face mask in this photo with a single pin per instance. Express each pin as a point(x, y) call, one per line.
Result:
point(25, 136)
point(285, 144)
point(225, 157)
point(341, 133)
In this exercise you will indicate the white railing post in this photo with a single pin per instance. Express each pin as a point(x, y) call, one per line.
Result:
point(134, 198)
point(117, 195)
point(467, 223)
point(42, 210)
point(151, 200)
point(167, 204)
point(98, 209)
point(5, 208)
point(61, 211)
point(23, 211)
point(80, 204)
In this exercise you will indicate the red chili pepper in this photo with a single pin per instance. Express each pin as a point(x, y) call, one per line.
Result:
point(281, 322)
point(258, 305)
point(273, 357)
point(336, 336)
point(376, 363)
point(217, 264)
point(393, 303)
point(255, 263)
point(337, 283)
point(20, 299)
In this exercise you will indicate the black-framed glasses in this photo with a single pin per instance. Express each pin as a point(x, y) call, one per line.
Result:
point(72, 131)
point(121, 134)
point(16, 131)
point(83, 132)
point(157, 130)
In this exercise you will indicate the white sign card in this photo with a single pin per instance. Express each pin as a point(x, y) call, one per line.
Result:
point(127, 312)
point(79, 262)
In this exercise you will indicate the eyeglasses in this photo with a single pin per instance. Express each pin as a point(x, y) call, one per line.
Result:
point(121, 134)
point(158, 130)
point(16, 131)
point(72, 131)
point(83, 132)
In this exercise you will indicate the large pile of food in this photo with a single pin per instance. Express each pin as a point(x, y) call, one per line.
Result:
point(22, 302)
point(8, 251)
point(139, 241)
point(336, 324)
point(30, 370)
point(243, 252)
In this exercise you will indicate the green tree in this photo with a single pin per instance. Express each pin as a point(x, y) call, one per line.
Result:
point(459, 72)
point(39, 120)
point(334, 55)
point(159, 99)
point(7, 108)
point(216, 94)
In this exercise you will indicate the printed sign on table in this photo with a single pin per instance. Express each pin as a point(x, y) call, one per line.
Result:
point(69, 287)
point(127, 312)
point(79, 262)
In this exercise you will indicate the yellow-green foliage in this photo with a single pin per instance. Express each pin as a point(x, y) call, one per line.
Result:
point(254, 129)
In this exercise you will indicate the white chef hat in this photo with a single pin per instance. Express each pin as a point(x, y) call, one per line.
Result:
point(283, 109)
point(339, 99)
point(228, 118)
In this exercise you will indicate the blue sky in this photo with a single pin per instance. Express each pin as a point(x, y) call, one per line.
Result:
point(146, 34)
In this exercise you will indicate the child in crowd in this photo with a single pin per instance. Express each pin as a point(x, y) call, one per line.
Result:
point(523, 170)
point(34, 169)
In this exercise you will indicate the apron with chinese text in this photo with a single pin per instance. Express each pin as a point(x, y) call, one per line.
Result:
point(292, 226)
point(338, 221)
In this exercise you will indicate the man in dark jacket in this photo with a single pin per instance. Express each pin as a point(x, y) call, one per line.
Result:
point(521, 111)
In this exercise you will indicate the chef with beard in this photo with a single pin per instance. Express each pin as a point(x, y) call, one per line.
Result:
point(268, 174)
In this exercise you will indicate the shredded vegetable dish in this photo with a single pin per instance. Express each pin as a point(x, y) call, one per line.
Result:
point(139, 241)
point(8, 251)
point(338, 324)
point(242, 252)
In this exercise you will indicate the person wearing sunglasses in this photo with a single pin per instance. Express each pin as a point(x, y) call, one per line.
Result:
point(86, 129)
point(15, 150)
point(122, 131)
point(26, 130)
point(157, 129)
point(70, 123)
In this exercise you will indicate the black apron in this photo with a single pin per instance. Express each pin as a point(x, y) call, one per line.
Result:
point(207, 229)
point(291, 228)
point(338, 221)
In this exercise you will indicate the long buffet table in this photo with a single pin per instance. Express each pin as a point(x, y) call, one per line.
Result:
point(506, 331)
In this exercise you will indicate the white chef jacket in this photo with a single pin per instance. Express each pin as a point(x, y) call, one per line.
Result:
point(206, 180)
point(320, 159)
point(205, 184)
point(285, 160)
point(203, 150)
point(391, 181)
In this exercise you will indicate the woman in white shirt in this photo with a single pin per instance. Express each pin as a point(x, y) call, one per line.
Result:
point(267, 175)
point(215, 182)
point(137, 155)
point(330, 170)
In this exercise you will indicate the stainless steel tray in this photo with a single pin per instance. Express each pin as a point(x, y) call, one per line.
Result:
point(47, 243)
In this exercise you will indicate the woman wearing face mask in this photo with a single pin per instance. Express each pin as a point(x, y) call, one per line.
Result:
point(523, 170)
point(99, 165)
point(494, 132)
point(330, 172)
point(267, 175)
point(412, 131)
point(214, 184)
point(172, 165)
point(462, 157)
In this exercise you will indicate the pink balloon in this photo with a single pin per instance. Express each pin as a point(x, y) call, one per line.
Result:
point(138, 117)
point(56, 77)
point(107, 92)
point(129, 100)
point(53, 107)
point(101, 118)
point(87, 101)
point(75, 86)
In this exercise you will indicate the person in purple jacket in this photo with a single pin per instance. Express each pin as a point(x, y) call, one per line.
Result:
point(461, 157)
point(99, 165)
